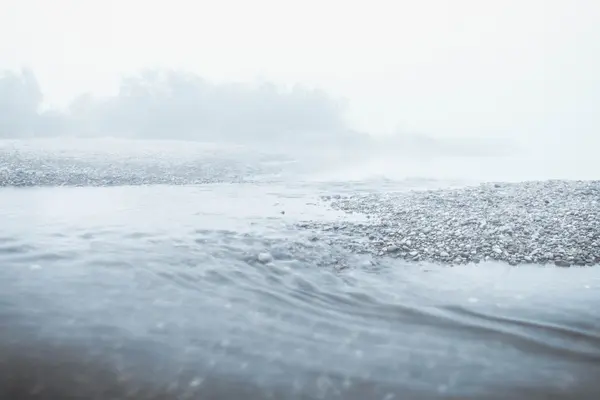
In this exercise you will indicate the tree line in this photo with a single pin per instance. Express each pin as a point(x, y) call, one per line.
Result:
point(173, 105)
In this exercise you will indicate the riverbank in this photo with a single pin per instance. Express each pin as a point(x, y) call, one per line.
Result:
point(546, 222)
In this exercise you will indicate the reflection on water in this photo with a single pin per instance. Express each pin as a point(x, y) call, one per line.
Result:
point(157, 292)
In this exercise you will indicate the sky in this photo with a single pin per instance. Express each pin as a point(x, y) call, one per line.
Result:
point(510, 68)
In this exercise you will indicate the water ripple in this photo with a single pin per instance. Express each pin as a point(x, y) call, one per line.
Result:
point(184, 305)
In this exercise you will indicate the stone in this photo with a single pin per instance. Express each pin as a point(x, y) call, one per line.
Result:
point(264, 258)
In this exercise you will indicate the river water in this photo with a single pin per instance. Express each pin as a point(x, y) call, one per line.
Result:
point(156, 291)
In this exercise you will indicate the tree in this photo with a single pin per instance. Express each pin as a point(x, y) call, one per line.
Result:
point(20, 101)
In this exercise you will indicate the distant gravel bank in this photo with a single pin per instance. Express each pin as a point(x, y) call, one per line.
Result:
point(551, 222)
point(96, 162)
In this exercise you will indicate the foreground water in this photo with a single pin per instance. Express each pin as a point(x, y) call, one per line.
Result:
point(158, 292)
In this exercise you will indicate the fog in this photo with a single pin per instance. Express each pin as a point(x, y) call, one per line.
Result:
point(172, 105)
point(435, 77)
point(177, 105)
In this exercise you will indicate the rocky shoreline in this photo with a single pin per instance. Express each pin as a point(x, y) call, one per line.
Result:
point(549, 222)
point(24, 164)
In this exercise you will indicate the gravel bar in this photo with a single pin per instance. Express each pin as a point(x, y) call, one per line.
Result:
point(24, 167)
point(549, 222)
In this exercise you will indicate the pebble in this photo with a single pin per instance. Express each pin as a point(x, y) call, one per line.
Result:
point(264, 258)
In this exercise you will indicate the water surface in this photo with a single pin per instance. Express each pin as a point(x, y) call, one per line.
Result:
point(157, 292)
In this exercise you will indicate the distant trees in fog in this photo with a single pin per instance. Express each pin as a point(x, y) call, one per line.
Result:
point(178, 105)
point(20, 100)
point(173, 105)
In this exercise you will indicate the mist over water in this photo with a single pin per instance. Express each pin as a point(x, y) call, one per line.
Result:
point(176, 232)
point(468, 159)
point(172, 176)
point(468, 169)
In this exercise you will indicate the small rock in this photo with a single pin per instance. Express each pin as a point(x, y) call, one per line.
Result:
point(264, 258)
point(562, 263)
point(391, 249)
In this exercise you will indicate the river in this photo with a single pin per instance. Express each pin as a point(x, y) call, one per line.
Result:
point(158, 291)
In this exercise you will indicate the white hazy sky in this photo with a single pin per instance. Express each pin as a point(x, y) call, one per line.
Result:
point(443, 67)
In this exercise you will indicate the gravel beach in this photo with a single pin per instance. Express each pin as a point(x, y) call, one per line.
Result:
point(98, 162)
point(549, 222)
